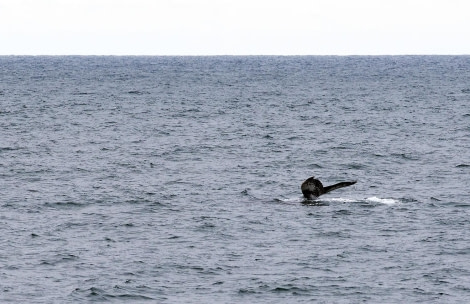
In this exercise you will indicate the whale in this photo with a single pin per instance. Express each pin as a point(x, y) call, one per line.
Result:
point(312, 188)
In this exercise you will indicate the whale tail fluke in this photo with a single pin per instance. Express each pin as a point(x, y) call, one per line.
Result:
point(337, 186)
point(312, 188)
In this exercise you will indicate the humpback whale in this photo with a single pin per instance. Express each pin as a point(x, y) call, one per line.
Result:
point(313, 188)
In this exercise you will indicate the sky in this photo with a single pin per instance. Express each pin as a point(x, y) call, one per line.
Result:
point(234, 27)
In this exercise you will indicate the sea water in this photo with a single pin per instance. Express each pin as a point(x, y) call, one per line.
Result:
point(177, 179)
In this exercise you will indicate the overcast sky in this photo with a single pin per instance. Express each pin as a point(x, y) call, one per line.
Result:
point(234, 27)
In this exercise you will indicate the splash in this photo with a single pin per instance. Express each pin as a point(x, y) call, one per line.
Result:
point(373, 199)
point(291, 200)
point(386, 201)
point(342, 200)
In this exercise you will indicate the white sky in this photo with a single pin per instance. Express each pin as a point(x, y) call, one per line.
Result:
point(234, 27)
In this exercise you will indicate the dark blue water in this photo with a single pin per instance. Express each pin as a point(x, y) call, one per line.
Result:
point(177, 179)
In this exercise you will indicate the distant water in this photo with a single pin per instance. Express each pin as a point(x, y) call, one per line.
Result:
point(177, 179)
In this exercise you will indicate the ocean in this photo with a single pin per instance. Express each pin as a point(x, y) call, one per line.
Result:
point(177, 179)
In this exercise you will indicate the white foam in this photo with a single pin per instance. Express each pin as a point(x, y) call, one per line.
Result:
point(373, 199)
point(291, 200)
point(386, 201)
point(342, 200)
